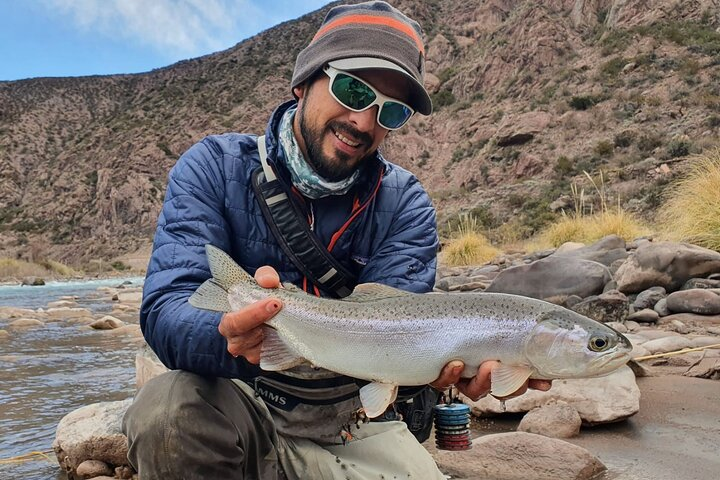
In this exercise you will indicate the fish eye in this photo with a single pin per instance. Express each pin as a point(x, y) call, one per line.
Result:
point(598, 344)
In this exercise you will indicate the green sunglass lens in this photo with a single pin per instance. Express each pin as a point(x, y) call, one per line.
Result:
point(394, 115)
point(353, 93)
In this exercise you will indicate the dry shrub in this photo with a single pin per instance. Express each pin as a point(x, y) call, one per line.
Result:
point(590, 227)
point(691, 211)
point(58, 268)
point(9, 267)
point(469, 247)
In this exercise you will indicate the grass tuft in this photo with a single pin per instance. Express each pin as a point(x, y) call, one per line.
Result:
point(469, 247)
point(691, 211)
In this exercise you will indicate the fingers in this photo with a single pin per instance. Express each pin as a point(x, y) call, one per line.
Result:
point(247, 345)
point(449, 375)
point(249, 317)
point(478, 386)
point(267, 277)
point(542, 385)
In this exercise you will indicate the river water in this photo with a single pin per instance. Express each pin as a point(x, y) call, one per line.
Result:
point(51, 370)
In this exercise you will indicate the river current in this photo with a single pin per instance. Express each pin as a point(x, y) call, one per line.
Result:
point(48, 371)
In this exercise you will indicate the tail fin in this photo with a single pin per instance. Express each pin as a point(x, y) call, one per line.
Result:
point(213, 293)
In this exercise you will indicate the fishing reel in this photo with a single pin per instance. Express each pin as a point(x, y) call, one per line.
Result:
point(452, 423)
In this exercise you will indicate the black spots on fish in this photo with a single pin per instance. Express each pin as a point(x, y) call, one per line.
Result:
point(337, 460)
point(343, 466)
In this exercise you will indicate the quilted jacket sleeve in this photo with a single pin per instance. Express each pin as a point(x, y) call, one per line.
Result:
point(182, 336)
point(407, 257)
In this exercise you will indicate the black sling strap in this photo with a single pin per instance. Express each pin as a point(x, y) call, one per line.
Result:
point(293, 233)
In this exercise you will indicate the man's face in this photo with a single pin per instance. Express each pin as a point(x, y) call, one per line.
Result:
point(334, 139)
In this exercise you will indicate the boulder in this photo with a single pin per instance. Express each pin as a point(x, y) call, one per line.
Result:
point(26, 323)
point(92, 432)
point(554, 419)
point(93, 469)
point(552, 277)
point(147, 366)
point(4, 334)
point(62, 303)
point(519, 129)
point(606, 251)
point(107, 322)
point(131, 297)
point(701, 283)
point(598, 400)
point(14, 312)
point(65, 313)
point(665, 264)
point(611, 306)
point(645, 315)
point(667, 344)
point(33, 281)
point(696, 300)
point(661, 308)
point(648, 298)
point(519, 456)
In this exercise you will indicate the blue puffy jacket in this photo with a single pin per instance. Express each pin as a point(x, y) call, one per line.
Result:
point(383, 230)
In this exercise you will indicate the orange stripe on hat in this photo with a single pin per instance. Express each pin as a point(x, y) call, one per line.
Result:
point(372, 20)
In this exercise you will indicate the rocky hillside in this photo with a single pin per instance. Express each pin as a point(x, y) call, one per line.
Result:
point(528, 95)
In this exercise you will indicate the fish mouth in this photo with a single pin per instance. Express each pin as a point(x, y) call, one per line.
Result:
point(610, 362)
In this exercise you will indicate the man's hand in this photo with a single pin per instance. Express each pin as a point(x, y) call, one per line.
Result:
point(243, 329)
point(478, 386)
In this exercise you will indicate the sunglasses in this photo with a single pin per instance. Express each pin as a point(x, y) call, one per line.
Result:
point(356, 95)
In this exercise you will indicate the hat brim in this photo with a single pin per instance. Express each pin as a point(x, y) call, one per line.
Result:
point(420, 99)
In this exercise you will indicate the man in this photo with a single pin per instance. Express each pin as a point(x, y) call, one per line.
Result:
point(360, 77)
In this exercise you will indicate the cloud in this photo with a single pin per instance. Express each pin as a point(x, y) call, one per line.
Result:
point(186, 27)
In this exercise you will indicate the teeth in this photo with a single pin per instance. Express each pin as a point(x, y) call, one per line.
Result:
point(346, 140)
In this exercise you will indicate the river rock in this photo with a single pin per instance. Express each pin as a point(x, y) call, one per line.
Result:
point(62, 303)
point(611, 306)
point(696, 300)
point(636, 339)
point(617, 326)
point(65, 313)
point(4, 334)
point(632, 325)
point(648, 298)
point(147, 366)
point(679, 327)
point(654, 333)
point(692, 319)
point(551, 277)
point(33, 281)
point(130, 297)
point(520, 456)
point(708, 367)
point(555, 419)
point(701, 283)
point(704, 341)
point(645, 315)
point(93, 469)
point(639, 351)
point(665, 264)
point(14, 312)
point(661, 307)
point(606, 399)
point(26, 323)
point(605, 251)
point(108, 322)
point(667, 344)
point(92, 432)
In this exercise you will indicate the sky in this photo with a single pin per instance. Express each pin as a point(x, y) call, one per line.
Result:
point(63, 38)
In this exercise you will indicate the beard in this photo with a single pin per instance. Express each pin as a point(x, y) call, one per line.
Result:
point(341, 165)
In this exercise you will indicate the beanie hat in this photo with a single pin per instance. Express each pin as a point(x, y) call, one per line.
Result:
point(368, 35)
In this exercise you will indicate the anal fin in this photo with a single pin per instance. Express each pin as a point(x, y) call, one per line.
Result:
point(275, 354)
point(507, 379)
point(376, 397)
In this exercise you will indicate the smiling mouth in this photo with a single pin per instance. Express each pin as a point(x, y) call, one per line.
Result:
point(346, 140)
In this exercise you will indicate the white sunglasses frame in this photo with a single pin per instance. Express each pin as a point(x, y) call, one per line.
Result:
point(380, 99)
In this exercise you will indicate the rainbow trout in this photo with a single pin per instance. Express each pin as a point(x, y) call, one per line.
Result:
point(391, 337)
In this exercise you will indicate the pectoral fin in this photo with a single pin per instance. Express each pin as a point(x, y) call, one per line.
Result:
point(376, 397)
point(275, 354)
point(507, 379)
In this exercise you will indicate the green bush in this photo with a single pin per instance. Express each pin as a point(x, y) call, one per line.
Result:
point(649, 142)
point(563, 166)
point(582, 102)
point(678, 148)
point(612, 67)
point(604, 148)
point(442, 98)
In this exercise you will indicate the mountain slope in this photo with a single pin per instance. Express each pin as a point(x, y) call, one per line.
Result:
point(528, 94)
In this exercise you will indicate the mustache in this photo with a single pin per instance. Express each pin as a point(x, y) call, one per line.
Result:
point(352, 132)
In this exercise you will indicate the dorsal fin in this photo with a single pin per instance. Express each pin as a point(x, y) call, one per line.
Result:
point(224, 270)
point(372, 292)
